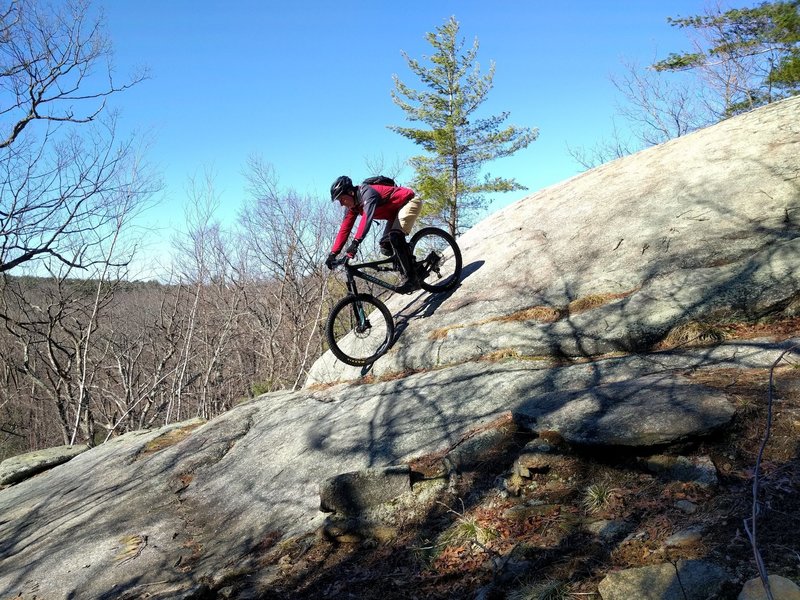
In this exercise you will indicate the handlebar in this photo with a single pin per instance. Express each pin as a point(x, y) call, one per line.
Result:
point(338, 262)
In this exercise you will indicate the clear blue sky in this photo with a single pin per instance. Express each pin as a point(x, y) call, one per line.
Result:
point(306, 84)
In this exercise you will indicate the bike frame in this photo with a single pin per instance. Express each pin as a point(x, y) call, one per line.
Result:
point(354, 271)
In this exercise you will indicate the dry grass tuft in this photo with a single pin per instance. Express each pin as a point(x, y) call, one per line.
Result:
point(595, 300)
point(321, 387)
point(544, 314)
point(468, 529)
point(442, 332)
point(502, 354)
point(539, 313)
point(168, 439)
point(693, 333)
point(392, 376)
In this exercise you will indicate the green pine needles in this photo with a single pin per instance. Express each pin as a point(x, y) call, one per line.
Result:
point(457, 142)
point(750, 56)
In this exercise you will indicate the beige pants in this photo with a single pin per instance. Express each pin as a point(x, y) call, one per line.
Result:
point(409, 213)
point(405, 219)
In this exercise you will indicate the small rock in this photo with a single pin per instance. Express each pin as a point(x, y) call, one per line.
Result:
point(382, 533)
point(686, 506)
point(351, 493)
point(514, 484)
point(525, 511)
point(530, 462)
point(333, 528)
point(687, 580)
point(539, 444)
point(351, 530)
point(509, 569)
point(610, 531)
point(687, 537)
point(473, 452)
point(638, 536)
point(226, 593)
point(781, 588)
point(699, 470)
point(550, 438)
point(538, 462)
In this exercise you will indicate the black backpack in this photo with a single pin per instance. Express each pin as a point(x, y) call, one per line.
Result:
point(380, 180)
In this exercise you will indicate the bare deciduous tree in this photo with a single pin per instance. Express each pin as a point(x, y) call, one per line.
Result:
point(659, 109)
point(60, 162)
point(738, 59)
point(745, 57)
point(286, 236)
point(68, 190)
point(653, 107)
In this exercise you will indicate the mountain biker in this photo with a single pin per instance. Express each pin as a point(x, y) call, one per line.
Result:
point(396, 205)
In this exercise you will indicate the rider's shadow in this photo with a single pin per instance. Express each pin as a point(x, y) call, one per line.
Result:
point(429, 303)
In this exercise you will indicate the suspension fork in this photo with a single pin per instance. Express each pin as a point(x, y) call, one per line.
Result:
point(358, 309)
point(352, 290)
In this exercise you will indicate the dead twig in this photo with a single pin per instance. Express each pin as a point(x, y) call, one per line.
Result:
point(751, 524)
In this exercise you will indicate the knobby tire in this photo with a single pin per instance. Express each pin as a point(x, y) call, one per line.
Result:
point(348, 344)
point(433, 239)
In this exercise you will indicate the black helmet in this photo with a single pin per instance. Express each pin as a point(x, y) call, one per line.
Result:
point(342, 185)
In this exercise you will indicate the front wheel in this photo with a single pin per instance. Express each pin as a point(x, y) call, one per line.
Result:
point(359, 329)
point(438, 259)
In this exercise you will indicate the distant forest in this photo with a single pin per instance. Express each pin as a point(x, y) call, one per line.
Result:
point(83, 360)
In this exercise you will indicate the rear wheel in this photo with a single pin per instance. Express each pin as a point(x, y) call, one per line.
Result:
point(438, 258)
point(359, 329)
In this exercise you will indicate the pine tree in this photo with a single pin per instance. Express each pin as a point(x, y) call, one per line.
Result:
point(458, 143)
point(749, 56)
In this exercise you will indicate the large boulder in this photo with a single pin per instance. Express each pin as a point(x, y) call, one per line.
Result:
point(685, 580)
point(23, 466)
point(705, 227)
point(622, 413)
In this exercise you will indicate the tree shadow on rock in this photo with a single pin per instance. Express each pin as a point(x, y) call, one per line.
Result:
point(427, 307)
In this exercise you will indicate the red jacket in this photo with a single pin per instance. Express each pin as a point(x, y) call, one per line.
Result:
point(381, 202)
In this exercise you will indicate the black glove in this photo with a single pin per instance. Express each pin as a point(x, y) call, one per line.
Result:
point(352, 248)
point(330, 260)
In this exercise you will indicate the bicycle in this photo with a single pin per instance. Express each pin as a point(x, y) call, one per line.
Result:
point(360, 328)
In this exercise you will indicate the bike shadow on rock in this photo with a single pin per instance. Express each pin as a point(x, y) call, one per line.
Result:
point(415, 309)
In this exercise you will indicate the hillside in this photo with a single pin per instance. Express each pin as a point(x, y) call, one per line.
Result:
point(701, 228)
point(585, 409)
